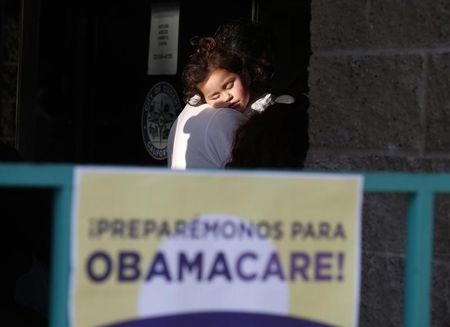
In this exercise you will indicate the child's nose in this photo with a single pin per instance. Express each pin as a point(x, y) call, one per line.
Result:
point(228, 97)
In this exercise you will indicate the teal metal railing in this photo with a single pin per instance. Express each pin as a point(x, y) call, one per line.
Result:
point(59, 178)
point(421, 189)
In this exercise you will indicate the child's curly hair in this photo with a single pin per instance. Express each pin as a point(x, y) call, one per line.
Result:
point(228, 50)
point(207, 56)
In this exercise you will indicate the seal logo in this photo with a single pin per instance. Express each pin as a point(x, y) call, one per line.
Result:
point(160, 110)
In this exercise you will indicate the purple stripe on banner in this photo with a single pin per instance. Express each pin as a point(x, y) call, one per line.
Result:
point(220, 319)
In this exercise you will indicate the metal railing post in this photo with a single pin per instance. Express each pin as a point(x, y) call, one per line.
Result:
point(419, 251)
point(60, 272)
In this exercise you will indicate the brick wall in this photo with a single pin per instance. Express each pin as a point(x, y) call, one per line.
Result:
point(379, 81)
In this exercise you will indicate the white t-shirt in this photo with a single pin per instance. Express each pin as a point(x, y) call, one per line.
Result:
point(202, 137)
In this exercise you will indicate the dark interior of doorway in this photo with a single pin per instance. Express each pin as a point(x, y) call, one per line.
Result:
point(85, 105)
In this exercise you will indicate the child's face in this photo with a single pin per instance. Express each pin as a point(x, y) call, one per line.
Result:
point(223, 89)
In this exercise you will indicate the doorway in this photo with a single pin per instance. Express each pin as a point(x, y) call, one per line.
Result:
point(84, 81)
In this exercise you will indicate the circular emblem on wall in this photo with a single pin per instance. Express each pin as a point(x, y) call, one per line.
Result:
point(160, 110)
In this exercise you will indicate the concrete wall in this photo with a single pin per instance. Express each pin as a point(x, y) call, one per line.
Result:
point(380, 92)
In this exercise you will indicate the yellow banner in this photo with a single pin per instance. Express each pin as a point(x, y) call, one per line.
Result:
point(166, 247)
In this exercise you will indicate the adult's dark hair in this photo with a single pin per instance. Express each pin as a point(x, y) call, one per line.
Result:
point(277, 138)
point(252, 41)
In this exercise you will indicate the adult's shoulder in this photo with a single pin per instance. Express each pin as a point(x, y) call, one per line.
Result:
point(219, 134)
point(208, 119)
point(224, 118)
point(203, 137)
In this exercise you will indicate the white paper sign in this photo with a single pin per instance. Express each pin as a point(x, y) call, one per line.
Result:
point(163, 49)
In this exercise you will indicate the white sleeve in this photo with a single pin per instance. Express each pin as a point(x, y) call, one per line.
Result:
point(219, 135)
point(179, 138)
